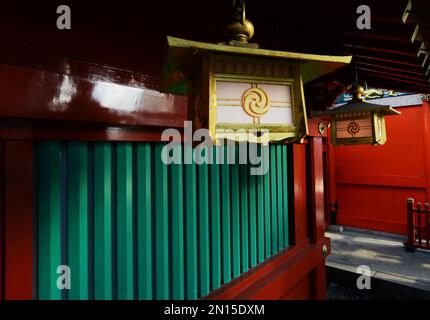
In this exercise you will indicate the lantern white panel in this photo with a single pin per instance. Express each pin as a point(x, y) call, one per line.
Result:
point(357, 128)
point(227, 90)
point(232, 114)
point(278, 116)
point(254, 103)
point(277, 92)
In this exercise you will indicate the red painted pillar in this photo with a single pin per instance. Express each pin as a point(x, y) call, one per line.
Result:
point(331, 152)
point(426, 115)
point(317, 188)
point(300, 203)
point(316, 199)
point(18, 217)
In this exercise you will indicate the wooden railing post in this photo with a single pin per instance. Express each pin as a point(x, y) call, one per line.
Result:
point(417, 234)
point(409, 244)
point(427, 225)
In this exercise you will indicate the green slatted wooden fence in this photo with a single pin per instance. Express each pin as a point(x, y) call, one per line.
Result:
point(131, 227)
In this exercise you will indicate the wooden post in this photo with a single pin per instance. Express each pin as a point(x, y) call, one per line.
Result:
point(300, 232)
point(426, 225)
point(316, 199)
point(18, 215)
point(332, 180)
point(409, 244)
point(419, 236)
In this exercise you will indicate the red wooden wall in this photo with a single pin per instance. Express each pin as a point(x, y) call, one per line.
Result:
point(373, 182)
point(298, 272)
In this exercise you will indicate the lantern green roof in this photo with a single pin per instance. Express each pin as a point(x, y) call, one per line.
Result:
point(184, 57)
point(361, 106)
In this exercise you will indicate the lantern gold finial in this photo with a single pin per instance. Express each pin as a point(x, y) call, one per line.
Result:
point(240, 30)
point(357, 91)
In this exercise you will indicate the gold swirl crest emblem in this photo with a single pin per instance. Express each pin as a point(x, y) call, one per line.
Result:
point(255, 102)
point(353, 128)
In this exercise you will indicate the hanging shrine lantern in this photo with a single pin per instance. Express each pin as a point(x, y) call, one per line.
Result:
point(235, 87)
point(359, 122)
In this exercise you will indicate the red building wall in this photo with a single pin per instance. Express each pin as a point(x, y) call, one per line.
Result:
point(373, 182)
point(298, 272)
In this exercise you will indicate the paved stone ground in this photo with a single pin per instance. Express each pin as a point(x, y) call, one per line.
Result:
point(385, 256)
point(337, 291)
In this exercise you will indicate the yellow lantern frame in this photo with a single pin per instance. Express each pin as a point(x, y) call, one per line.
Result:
point(361, 110)
point(193, 67)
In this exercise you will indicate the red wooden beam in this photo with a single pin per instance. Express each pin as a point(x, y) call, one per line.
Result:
point(363, 57)
point(34, 129)
point(275, 284)
point(418, 81)
point(382, 50)
point(34, 94)
point(278, 277)
point(408, 85)
point(18, 210)
point(396, 69)
point(378, 36)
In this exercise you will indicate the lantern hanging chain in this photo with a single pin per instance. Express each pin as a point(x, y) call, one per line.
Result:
point(243, 12)
point(354, 57)
point(357, 90)
point(239, 8)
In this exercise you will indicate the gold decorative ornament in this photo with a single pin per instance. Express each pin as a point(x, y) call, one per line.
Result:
point(353, 128)
point(325, 250)
point(255, 102)
point(321, 128)
point(240, 30)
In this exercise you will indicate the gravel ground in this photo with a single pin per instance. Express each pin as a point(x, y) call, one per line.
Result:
point(336, 291)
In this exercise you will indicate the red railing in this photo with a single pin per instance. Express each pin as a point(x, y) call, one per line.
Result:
point(418, 225)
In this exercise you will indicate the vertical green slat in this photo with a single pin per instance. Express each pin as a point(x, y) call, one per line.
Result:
point(260, 217)
point(273, 198)
point(204, 229)
point(161, 226)
point(267, 212)
point(266, 186)
point(191, 229)
point(144, 220)
point(244, 171)
point(235, 216)
point(49, 255)
point(252, 222)
point(102, 221)
point(279, 179)
point(225, 200)
point(77, 212)
point(177, 187)
point(216, 225)
point(124, 221)
point(285, 184)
